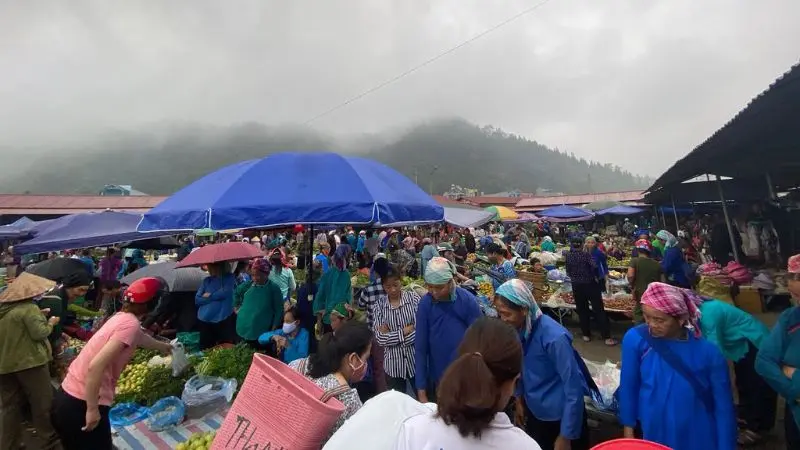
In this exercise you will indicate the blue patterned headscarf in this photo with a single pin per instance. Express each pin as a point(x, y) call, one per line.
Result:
point(517, 292)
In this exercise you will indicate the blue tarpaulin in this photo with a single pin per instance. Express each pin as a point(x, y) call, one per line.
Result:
point(93, 229)
point(566, 212)
point(620, 210)
point(295, 188)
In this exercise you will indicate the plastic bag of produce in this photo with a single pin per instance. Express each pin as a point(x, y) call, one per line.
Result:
point(203, 395)
point(179, 360)
point(606, 377)
point(190, 341)
point(165, 413)
point(124, 414)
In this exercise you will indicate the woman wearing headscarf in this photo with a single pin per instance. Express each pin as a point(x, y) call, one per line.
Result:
point(600, 259)
point(673, 264)
point(523, 246)
point(334, 288)
point(779, 357)
point(549, 405)
point(258, 304)
point(25, 355)
point(214, 300)
point(281, 275)
point(443, 316)
point(674, 383)
point(73, 288)
point(548, 245)
point(429, 251)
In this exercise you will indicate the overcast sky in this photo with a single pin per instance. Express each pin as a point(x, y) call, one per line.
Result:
point(638, 83)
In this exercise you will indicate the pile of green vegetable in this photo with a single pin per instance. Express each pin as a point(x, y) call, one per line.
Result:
point(233, 362)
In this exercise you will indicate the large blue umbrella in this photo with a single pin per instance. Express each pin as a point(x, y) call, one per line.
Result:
point(295, 188)
point(92, 229)
point(566, 212)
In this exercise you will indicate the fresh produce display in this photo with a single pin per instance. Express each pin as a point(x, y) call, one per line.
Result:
point(486, 289)
point(472, 257)
point(616, 274)
point(409, 280)
point(197, 441)
point(145, 385)
point(567, 297)
point(614, 262)
point(360, 280)
point(231, 362)
point(76, 345)
point(619, 302)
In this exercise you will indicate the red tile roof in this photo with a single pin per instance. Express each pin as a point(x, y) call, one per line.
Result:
point(69, 204)
point(582, 199)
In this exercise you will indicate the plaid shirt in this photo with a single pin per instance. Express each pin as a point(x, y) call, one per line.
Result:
point(369, 298)
point(581, 267)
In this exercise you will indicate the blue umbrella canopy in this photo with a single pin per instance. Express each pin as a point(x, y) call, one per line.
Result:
point(565, 212)
point(295, 188)
point(93, 229)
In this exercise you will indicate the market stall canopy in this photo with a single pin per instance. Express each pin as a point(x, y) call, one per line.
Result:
point(737, 189)
point(761, 139)
point(566, 212)
point(501, 213)
point(620, 210)
point(22, 228)
point(305, 188)
point(466, 217)
point(524, 218)
point(90, 229)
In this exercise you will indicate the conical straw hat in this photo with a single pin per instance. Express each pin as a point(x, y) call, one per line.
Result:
point(26, 286)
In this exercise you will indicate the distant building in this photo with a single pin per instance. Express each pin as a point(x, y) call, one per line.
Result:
point(123, 190)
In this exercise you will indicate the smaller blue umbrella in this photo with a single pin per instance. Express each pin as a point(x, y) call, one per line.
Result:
point(566, 212)
point(295, 188)
point(93, 229)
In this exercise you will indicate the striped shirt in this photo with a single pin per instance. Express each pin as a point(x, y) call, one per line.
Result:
point(369, 298)
point(398, 359)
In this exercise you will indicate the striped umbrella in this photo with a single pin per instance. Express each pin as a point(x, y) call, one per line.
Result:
point(502, 213)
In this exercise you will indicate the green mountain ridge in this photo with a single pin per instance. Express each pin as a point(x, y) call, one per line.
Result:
point(163, 159)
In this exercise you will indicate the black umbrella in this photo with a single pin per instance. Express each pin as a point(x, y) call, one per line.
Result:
point(162, 243)
point(58, 268)
point(185, 279)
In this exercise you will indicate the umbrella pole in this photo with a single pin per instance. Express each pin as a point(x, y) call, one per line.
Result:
point(309, 238)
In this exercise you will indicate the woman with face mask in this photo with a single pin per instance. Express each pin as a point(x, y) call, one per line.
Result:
point(81, 407)
point(341, 359)
point(674, 383)
point(291, 341)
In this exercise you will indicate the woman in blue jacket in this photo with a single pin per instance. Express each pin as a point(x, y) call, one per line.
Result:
point(779, 358)
point(673, 262)
point(214, 300)
point(549, 405)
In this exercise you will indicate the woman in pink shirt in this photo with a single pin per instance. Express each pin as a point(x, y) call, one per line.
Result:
point(81, 406)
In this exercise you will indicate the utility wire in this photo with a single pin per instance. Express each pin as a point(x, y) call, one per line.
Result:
point(428, 62)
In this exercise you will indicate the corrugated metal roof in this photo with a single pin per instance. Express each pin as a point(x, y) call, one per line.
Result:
point(582, 199)
point(69, 204)
point(760, 138)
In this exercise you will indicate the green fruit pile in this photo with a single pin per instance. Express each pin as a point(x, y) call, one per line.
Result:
point(131, 380)
point(197, 441)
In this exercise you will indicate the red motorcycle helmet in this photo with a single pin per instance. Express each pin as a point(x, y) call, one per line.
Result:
point(144, 290)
